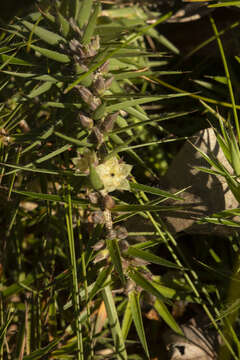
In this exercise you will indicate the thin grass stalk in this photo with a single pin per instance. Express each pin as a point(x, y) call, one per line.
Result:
point(187, 277)
point(233, 295)
point(76, 300)
point(225, 65)
point(194, 96)
point(38, 320)
point(209, 40)
point(14, 174)
point(85, 284)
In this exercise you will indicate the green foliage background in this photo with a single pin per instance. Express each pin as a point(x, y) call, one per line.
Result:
point(83, 82)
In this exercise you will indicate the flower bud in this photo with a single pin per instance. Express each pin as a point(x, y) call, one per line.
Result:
point(85, 94)
point(108, 202)
point(99, 245)
point(108, 82)
point(98, 217)
point(109, 121)
point(75, 27)
point(99, 85)
point(95, 103)
point(86, 121)
point(97, 136)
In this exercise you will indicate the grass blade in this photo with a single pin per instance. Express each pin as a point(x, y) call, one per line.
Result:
point(114, 251)
point(114, 324)
point(137, 319)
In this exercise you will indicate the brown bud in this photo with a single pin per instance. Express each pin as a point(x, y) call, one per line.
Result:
point(108, 82)
point(121, 231)
point(99, 245)
point(99, 85)
point(89, 51)
point(97, 136)
point(95, 103)
point(109, 121)
point(111, 234)
point(85, 94)
point(86, 121)
point(123, 245)
point(98, 217)
point(108, 202)
point(75, 45)
point(93, 197)
point(75, 27)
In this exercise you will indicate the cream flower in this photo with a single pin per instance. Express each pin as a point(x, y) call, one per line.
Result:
point(113, 175)
point(84, 159)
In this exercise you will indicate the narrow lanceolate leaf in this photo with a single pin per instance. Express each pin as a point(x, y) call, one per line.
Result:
point(150, 257)
point(153, 190)
point(84, 12)
point(89, 31)
point(3, 329)
point(13, 60)
point(127, 320)
point(146, 285)
point(137, 319)
point(49, 197)
point(235, 155)
point(40, 90)
point(114, 251)
point(102, 279)
point(167, 316)
point(49, 37)
point(137, 208)
point(50, 54)
point(41, 353)
point(64, 24)
point(113, 320)
point(95, 179)
point(144, 100)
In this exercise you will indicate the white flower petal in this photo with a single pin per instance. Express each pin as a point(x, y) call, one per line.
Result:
point(113, 175)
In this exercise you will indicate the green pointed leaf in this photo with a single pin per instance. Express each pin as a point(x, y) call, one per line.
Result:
point(40, 90)
point(153, 190)
point(114, 251)
point(150, 257)
point(95, 179)
point(146, 285)
point(84, 12)
point(114, 324)
point(50, 54)
point(143, 100)
point(41, 353)
point(100, 283)
point(33, 76)
point(137, 319)
point(127, 320)
point(140, 208)
point(49, 197)
point(49, 37)
point(3, 329)
point(235, 155)
point(13, 60)
point(90, 28)
point(64, 24)
point(167, 316)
